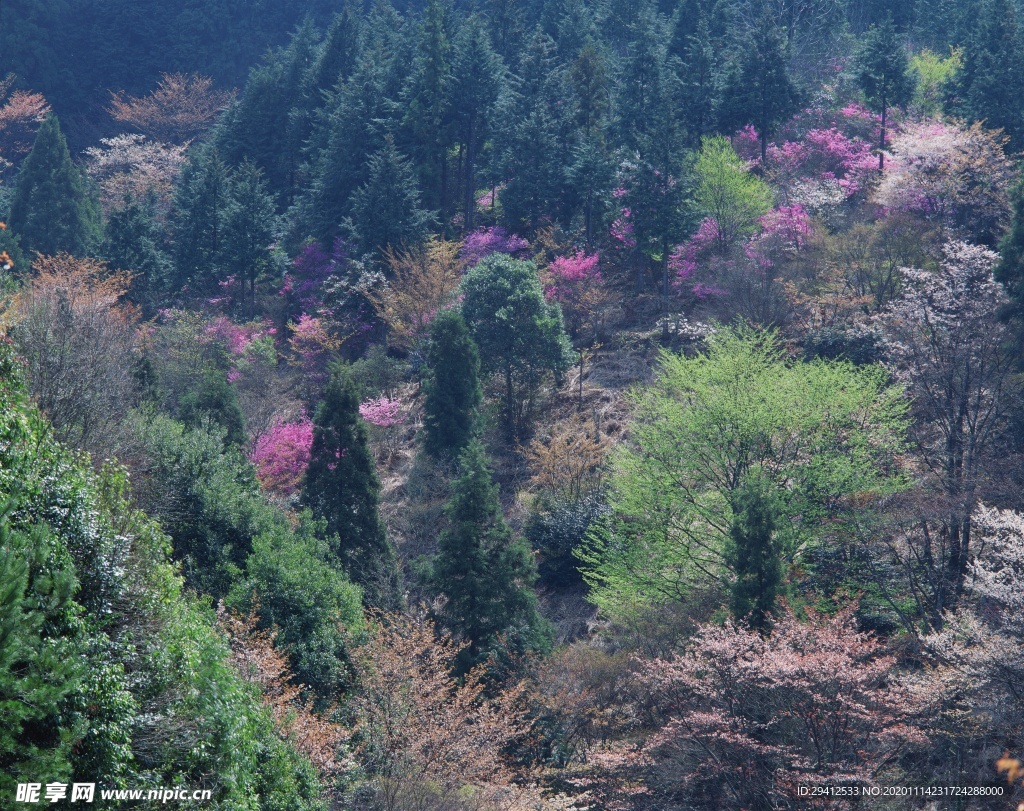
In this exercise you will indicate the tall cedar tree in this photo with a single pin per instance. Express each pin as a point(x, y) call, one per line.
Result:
point(485, 574)
point(754, 555)
point(198, 218)
point(760, 91)
point(989, 86)
point(132, 243)
point(883, 73)
point(386, 211)
point(52, 209)
point(248, 229)
point(1010, 270)
point(452, 387)
point(342, 488)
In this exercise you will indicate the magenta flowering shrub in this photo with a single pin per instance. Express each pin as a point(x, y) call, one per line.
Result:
point(686, 259)
point(302, 289)
point(575, 282)
point(485, 241)
point(281, 455)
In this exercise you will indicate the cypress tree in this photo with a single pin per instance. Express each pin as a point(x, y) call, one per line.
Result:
point(198, 216)
point(1010, 270)
point(52, 209)
point(131, 243)
point(883, 73)
point(485, 574)
point(754, 555)
point(214, 400)
point(342, 488)
point(249, 226)
point(760, 91)
point(452, 387)
point(386, 210)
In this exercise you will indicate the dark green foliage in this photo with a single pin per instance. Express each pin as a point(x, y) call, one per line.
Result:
point(132, 242)
point(478, 77)
point(342, 488)
point(753, 554)
point(53, 209)
point(520, 335)
point(199, 206)
point(759, 90)
point(452, 387)
point(302, 593)
point(883, 72)
point(1010, 270)
point(248, 230)
point(558, 532)
point(213, 402)
point(386, 209)
point(39, 668)
point(484, 573)
point(990, 85)
point(96, 623)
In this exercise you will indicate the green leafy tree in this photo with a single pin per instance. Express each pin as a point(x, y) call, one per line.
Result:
point(811, 435)
point(883, 73)
point(342, 488)
point(484, 573)
point(753, 555)
point(213, 401)
point(386, 210)
point(53, 209)
point(452, 387)
point(725, 191)
point(38, 668)
point(759, 90)
point(520, 335)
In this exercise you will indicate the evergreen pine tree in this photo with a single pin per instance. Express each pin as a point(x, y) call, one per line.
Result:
point(342, 488)
point(754, 556)
point(131, 243)
point(485, 574)
point(883, 73)
point(990, 85)
point(52, 209)
point(452, 387)
point(759, 90)
point(214, 400)
point(249, 227)
point(386, 210)
point(197, 219)
point(1010, 270)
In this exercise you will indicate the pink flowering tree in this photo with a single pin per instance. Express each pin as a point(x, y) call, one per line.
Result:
point(575, 282)
point(281, 455)
point(748, 718)
point(386, 417)
point(303, 288)
point(313, 348)
point(484, 241)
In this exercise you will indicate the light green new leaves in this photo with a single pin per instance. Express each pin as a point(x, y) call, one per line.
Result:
point(824, 435)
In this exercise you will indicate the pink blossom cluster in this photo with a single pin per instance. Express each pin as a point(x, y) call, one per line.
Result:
point(568, 276)
point(237, 338)
point(485, 241)
point(684, 260)
point(383, 412)
point(303, 283)
point(826, 154)
point(622, 229)
point(314, 346)
point(281, 455)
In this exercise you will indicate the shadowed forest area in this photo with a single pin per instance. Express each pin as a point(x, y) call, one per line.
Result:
point(525, 405)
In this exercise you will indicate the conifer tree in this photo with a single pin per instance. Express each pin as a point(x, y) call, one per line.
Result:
point(39, 668)
point(753, 555)
point(485, 574)
point(452, 387)
point(760, 91)
point(989, 85)
point(131, 243)
point(883, 73)
point(214, 400)
point(249, 227)
point(1010, 270)
point(52, 209)
point(198, 217)
point(342, 487)
point(386, 211)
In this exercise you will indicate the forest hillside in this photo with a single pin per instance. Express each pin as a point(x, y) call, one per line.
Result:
point(534, 404)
